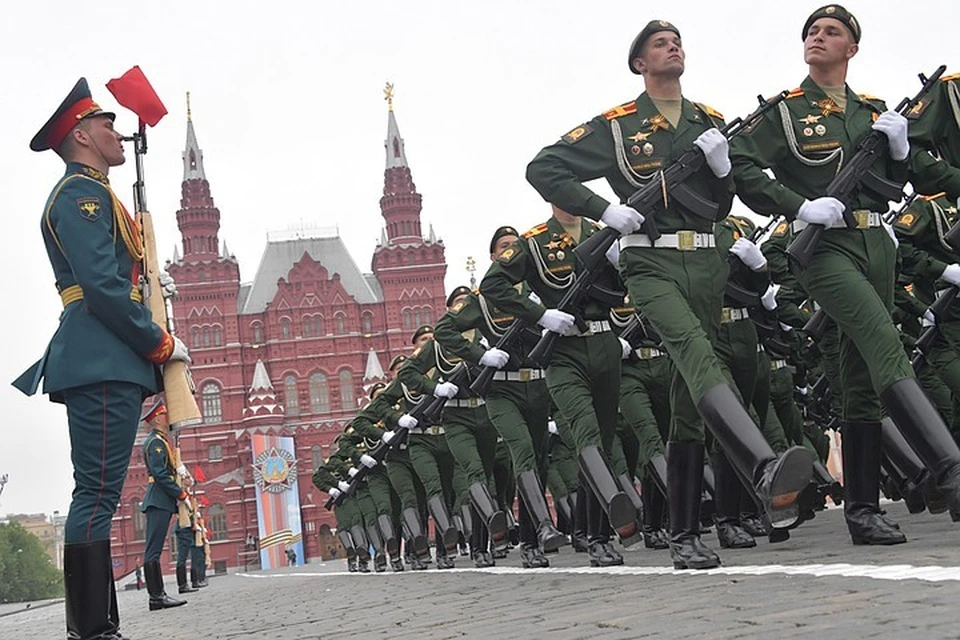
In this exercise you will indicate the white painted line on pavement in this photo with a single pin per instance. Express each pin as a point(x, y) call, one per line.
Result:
point(876, 572)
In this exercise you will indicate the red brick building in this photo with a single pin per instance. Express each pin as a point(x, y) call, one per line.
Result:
point(291, 352)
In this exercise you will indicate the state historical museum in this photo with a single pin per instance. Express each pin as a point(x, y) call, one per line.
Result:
point(289, 354)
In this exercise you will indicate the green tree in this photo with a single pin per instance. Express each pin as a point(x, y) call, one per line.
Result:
point(26, 572)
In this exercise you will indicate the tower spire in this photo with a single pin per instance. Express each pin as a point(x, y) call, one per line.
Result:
point(198, 217)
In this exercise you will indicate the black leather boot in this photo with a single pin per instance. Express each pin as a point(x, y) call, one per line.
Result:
point(922, 426)
point(443, 524)
point(595, 469)
point(861, 473)
point(363, 548)
point(415, 535)
point(653, 535)
point(727, 505)
point(480, 547)
point(564, 513)
point(348, 547)
point(182, 585)
point(827, 485)
point(777, 481)
point(908, 465)
point(532, 498)
point(391, 541)
point(630, 489)
point(89, 598)
point(489, 513)
point(578, 539)
point(684, 484)
point(158, 595)
point(601, 552)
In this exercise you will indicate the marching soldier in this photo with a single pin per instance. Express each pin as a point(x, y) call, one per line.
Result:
point(852, 271)
point(164, 496)
point(101, 362)
point(677, 281)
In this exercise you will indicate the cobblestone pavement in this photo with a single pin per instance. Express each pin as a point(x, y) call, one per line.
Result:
point(815, 585)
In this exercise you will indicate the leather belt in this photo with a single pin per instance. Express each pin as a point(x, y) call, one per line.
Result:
point(683, 240)
point(521, 375)
point(435, 430)
point(466, 403)
point(776, 365)
point(728, 315)
point(649, 353)
point(73, 293)
point(865, 218)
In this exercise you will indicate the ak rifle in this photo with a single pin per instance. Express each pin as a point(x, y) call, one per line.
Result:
point(739, 295)
point(507, 342)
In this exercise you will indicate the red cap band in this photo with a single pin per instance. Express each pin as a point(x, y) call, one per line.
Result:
point(69, 119)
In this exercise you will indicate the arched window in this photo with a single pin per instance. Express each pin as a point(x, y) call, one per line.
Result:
point(366, 323)
point(316, 455)
point(319, 393)
point(257, 333)
point(427, 315)
point(318, 325)
point(139, 521)
point(340, 321)
point(202, 275)
point(195, 336)
point(407, 320)
point(416, 317)
point(206, 336)
point(346, 389)
point(217, 522)
point(217, 339)
point(290, 396)
point(212, 409)
point(285, 328)
point(307, 324)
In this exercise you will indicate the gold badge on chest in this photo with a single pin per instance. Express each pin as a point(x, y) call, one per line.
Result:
point(828, 106)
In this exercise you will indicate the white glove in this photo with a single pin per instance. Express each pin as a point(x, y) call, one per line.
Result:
point(716, 150)
point(627, 349)
point(533, 297)
point(552, 428)
point(180, 351)
point(749, 254)
point(613, 255)
point(368, 461)
point(446, 390)
point(769, 297)
point(786, 328)
point(167, 284)
point(894, 126)
point(387, 437)
point(952, 274)
point(557, 321)
point(825, 211)
point(928, 319)
point(496, 358)
point(343, 485)
point(334, 492)
point(182, 471)
point(407, 421)
point(352, 471)
point(802, 390)
point(891, 233)
point(622, 218)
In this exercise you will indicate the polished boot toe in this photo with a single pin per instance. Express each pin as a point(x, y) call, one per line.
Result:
point(868, 526)
point(532, 558)
point(781, 483)
point(655, 539)
point(733, 536)
point(396, 564)
point(603, 555)
point(688, 552)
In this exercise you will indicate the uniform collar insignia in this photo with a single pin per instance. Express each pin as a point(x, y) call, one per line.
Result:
point(99, 176)
point(811, 119)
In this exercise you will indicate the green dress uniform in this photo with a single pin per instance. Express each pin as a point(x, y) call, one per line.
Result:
point(330, 475)
point(935, 140)
point(517, 404)
point(583, 376)
point(160, 502)
point(373, 495)
point(677, 284)
point(852, 277)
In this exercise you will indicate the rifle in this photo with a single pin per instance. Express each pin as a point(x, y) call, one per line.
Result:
point(513, 334)
point(647, 200)
point(741, 296)
point(939, 308)
point(858, 174)
point(817, 325)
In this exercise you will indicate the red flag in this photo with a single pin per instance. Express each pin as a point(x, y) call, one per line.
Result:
point(133, 91)
point(198, 474)
point(204, 501)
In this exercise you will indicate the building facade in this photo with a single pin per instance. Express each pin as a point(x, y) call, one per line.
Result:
point(289, 353)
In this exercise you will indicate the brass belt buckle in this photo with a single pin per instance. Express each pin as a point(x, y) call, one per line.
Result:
point(646, 353)
point(862, 216)
point(726, 315)
point(686, 240)
point(525, 375)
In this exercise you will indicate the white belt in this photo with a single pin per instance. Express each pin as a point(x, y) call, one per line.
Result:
point(649, 353)
point(467, 403)
point(865, 218)
point(435, 430)
point(523, 375)
point(776, 365)
point(681, 240)
point(728, 315)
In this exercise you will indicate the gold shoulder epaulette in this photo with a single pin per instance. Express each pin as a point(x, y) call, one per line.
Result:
point(619, 111)
point(537, 230)
point(867, 96)
point(795, 93)
point(955, 76)
point(713, 113)
point(934, 196)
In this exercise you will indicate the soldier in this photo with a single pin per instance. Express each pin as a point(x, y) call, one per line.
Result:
point(677, 282)
point(101, 362)
point(163, 498)
point(852, 272)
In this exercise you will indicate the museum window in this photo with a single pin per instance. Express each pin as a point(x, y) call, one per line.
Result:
point(319, 393)
point(217, 522)
point(257, 333)
point(210, 397)
point(346, 389)
point(285, 328)
point(291, 400)
point(215, 453)
point(139, 521)
point(316, 455)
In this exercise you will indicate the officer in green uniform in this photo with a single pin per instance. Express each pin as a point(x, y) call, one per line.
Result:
point(330, 478)
point(164, 494)
point(583, 376)
point(101, 362)
point(563, 482)
point(853, 270)
point(677, 283)
point(517, 402)
point(935, 140)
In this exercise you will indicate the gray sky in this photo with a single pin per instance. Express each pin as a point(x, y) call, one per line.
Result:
point(288, 109)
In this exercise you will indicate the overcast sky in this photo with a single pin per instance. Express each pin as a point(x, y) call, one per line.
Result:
point(288, 109)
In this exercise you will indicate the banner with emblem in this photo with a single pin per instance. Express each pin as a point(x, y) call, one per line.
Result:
point(278, 500)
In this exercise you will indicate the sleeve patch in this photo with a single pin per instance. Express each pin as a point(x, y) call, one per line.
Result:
point(505, 257)
point(781, 229)
point(460, 305)
point(906, 220)
point(918, 109)
point(577, 134)
point(89, 208)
